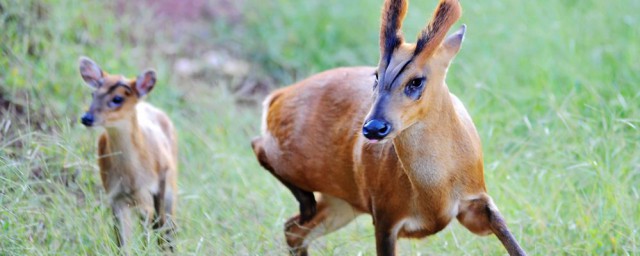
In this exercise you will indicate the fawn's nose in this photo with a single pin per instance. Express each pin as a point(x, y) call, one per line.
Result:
point(375, 129)
point(87, 119)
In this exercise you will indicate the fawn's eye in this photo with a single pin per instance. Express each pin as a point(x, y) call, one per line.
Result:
point(413, 89)
point(116, 101)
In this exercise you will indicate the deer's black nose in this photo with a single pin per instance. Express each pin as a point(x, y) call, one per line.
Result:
point(375, 129)
point(87, 119)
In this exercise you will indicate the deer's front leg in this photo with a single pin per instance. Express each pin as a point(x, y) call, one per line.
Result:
point(385, 238)
point(123, 225)
point(481, 216)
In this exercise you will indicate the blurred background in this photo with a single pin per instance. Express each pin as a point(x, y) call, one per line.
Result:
point(552, 87)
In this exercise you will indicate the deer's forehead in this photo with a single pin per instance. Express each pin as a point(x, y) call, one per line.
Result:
point(402, 60)
point(112, 80)
point(114, 83)
point(399, 58)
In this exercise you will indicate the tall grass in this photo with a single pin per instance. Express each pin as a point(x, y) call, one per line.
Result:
point(551, 86)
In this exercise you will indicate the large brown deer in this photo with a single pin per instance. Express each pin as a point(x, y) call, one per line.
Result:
point(137, 153)
point(390, 141)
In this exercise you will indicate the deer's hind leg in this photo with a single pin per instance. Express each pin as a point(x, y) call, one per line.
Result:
point(306, 201)
point(333, 213)
point(163, 212)
point(481, 216)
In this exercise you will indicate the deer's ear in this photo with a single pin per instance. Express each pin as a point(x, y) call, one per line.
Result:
point(432, 36)
point(145, 82)
point(90, 72)
point(452, 44)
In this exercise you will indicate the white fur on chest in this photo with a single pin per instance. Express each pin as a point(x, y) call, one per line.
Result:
point(411, 224)
point(128, 177)
point(140, 182)
point(418, 222)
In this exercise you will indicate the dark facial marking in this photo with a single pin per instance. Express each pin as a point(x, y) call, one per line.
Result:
point(404, 66)
point(119, 84)
point(389, 86)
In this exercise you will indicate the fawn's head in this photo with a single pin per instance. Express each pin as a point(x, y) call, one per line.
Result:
point(114, 96)
point(410, 77)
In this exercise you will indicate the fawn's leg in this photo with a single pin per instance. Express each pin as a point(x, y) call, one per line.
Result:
point(123, 226)
point(162, 207)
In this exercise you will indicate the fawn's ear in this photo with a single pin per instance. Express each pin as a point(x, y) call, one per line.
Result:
point(145, 82)
point(452, 44)
point(90, 72)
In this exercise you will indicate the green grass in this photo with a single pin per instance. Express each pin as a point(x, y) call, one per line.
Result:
point(552, 88)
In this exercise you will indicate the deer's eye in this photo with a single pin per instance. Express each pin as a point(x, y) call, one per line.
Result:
point(413, 89)
point(116, 101)
point(416, 83)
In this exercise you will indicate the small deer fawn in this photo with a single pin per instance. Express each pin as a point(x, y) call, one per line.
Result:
point(137, 152)
point(390, 141)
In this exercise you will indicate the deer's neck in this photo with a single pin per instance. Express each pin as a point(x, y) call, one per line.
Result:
point(427, 148)
point(125, 138)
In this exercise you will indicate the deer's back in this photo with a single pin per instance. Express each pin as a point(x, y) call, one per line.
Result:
point(160, 135)
point(310, 128)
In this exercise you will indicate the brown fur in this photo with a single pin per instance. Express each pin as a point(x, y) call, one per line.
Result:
point(426, 172)
point(137, 153)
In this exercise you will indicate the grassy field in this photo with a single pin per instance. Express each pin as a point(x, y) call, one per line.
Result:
point(552, 87)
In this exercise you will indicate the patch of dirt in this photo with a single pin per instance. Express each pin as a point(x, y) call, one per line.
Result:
point(242, 77)
point(177, 12)
point(195, 56)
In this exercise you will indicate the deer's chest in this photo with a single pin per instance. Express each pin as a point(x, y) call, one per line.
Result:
point(128, 177)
